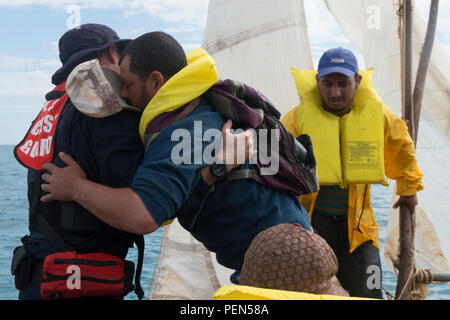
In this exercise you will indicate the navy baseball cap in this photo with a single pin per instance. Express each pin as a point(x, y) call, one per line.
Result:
point(338, 60)
point(79, 43)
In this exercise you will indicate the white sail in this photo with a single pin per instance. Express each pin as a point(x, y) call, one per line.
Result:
point(372, 26)
point(186, 270)
point(257, 42)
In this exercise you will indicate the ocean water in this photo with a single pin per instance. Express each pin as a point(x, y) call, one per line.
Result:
point(14, 225)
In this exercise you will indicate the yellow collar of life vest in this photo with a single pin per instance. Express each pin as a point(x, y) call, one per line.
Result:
point(348, 149)
point(192, 81)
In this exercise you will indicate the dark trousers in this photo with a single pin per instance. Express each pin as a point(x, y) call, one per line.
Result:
point(360, 271)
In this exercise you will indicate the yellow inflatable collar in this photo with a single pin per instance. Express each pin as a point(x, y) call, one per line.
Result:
point(189, 83)
point(252, 293)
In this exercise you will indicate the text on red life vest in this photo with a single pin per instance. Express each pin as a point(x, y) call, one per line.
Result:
point(37, 147)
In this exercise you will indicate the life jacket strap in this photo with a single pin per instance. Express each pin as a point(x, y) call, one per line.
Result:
point(51, 234)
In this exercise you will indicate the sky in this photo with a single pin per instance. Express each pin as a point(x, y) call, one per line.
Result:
point(30, 30)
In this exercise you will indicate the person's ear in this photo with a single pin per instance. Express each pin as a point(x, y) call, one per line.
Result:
point(154, 82)
point(111, 55)
point(358, 80)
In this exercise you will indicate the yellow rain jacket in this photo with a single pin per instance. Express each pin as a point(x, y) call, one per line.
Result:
point(399, 164)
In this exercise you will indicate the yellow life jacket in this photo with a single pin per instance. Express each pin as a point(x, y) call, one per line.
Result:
point(348, 149)
point(192, 81)
point(253, 293)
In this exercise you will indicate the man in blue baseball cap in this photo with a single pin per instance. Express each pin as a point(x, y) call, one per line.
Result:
point(357, 142)
point(338, 80)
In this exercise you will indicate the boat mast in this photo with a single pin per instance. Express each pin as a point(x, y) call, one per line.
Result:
point(411, 107)
point(424, 62)
point(406, 264)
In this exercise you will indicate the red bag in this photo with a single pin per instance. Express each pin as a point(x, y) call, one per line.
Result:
point(72, 275)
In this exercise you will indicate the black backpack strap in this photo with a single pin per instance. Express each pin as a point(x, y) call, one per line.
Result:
point(51, 234)
point(140, 244)
point(34, 196)
point(240, 174)
point(43, 226)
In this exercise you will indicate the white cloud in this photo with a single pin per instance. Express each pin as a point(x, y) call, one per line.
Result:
point(180, 29)
point(25, 77)
point(8, 62)
point(133, 33)
point(54, 48)
point(191, 12)
point(24, 83)
point(188, 46)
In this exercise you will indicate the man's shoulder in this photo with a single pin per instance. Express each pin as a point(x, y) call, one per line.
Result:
point(206, 110)
point(123, 120)
point(204, 113)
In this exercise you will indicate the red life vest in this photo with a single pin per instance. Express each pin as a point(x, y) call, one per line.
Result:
point(37, 146)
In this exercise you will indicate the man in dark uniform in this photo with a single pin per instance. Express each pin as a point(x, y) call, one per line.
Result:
point(108, 149)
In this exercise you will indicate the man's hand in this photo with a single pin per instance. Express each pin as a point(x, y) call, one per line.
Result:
point(61, 181)
point(236, 149)
point(120, 208)
point(410, 201)
point(232, 145)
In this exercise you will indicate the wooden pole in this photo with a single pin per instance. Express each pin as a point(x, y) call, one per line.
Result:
point(424, 62)
point(407, 69)
point(406, 266)
point(412, 107)
point(406, 259)
point(441, 276)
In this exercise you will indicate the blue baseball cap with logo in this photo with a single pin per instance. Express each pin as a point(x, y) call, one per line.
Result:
point(338, 60)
